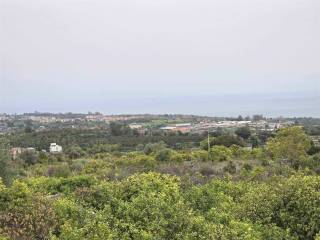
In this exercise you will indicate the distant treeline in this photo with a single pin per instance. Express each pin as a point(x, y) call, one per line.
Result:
point(88, 138)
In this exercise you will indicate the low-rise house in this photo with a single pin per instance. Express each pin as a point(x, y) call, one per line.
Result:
point(168, 128)
point(183, 127)
point(135, 126)
point(55, 148)
point(316, 140)
point(15, 152)
point(30, 149)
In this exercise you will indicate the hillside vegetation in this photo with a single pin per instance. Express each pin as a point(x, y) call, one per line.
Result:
point(157, 191)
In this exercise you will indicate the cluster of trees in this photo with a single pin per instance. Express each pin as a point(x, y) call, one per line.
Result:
point(242, 136)
point(129, 139)
point(289, 147)
point(156, 206)
point(119, 129)
point(5, 168)
point(157, 192)
point(86, 138)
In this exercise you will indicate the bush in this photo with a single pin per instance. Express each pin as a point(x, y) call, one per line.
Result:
point(29, 157)
point(290, 144)
point(75, 151)
point(180, 157)
point(199, 155)
point(97, 167)
point(104, 148)
point(154, 147)
point(243, 132)
point(292, 204)
point(247, 166)
point(77, 165)
point(164, 155)
point(61, 170)
point(230, 168)
point(227, 141)
point(24, 214)
point(220, 153)
point(140, 160)
point(206, 170)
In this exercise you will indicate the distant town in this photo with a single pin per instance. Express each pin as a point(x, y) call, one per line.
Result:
point(10, 123)
point(100, 128)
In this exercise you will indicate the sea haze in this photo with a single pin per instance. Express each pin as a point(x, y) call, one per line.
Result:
point(271, 105)
point(227, 105)
point(221, 57)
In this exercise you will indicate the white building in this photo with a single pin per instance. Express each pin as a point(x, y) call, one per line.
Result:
point(168, 128)
point(183, 125)
point(135, 126)
point(55, 148)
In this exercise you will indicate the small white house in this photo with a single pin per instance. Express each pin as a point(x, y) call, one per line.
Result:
point(168, 128)
point(55, 148)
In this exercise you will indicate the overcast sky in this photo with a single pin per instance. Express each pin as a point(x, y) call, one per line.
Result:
point(81, 55)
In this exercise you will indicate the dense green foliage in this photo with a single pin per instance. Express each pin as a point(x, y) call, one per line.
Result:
point(159, 192)
point(155, 206)
point(5, 171)
point(88, 138)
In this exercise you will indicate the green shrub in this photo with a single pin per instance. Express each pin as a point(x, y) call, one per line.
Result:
point(220, 153)
point(164, 155)
point(60, 170)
